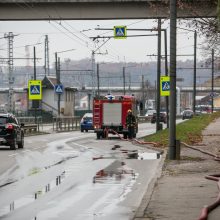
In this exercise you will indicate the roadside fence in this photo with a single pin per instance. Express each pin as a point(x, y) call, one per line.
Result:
point(66, 123)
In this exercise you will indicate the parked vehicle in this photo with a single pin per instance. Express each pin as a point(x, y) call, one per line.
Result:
point(187, 114)
point(110, 115)
point(163, 118)
point(150, 113)
point(11, 132)
point(86, 123)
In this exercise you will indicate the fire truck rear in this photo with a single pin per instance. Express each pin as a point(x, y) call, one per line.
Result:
point(109, 115)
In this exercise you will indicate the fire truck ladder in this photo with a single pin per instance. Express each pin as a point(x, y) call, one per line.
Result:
point(96, 114)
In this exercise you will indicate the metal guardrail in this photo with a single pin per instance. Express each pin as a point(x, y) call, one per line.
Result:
point(142, 119)
point(66, 123)
point(31, 128)
point(31, 122)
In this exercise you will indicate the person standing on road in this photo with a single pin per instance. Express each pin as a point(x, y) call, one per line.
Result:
point(130, 123)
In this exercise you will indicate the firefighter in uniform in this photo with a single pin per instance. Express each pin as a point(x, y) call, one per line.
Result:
point(130, 123)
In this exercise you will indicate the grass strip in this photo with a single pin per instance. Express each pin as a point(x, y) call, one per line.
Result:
point(189, 131)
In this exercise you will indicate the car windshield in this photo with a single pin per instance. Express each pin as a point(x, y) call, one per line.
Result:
point(88, 119)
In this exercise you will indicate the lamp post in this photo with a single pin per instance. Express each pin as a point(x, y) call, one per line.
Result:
point(57, 68)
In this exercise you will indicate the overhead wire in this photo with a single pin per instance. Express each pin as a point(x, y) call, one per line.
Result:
point(48, 15)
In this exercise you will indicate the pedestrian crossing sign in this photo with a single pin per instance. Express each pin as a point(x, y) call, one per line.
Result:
point(120, 32)
point(165, 86)
point(58, 88)
point(35, 89)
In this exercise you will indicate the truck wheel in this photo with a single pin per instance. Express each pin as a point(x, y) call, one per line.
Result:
point(98, 135)
point(125, 136)
point(82, 130)
point(103, 135)
point(134, 136)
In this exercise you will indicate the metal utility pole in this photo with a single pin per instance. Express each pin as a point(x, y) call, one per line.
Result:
point(35, 72)
point(98, 79)
point(194, 75)
point(158, 74)
point(10, 36)
point(166, 74)
point(124, 79)
point(143, 102)
point(93, 73)
point(212, 94)
point(58, 81)
point(172, 100)
point(57, 67)
point(35, 102)
point(46, 59)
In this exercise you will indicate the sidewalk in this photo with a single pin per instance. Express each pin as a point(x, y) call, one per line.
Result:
point(182, 190)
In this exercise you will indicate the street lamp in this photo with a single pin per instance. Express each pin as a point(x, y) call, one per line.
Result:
point(57, 67)
point(124, 67)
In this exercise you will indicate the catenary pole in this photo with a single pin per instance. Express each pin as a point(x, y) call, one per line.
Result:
point(194, 74)
point(34, 102)
point(166, 74)
point(172, 100)
point(158, 74)
point(124, 79)
point(98, 82)
point(212, 94)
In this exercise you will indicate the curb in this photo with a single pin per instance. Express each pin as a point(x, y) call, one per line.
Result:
point(139, 214)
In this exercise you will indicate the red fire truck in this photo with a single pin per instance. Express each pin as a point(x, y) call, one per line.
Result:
point(109, 115)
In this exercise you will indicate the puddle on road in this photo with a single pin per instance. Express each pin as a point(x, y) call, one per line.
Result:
point(27, 199)
point(148, 156)
point(114, 174)
point(134, 154)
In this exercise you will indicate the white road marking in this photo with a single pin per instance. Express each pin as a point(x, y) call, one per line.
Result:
point(11, 155)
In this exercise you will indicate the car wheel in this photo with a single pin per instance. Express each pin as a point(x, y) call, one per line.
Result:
point(21, 143)
point(82, 130)
point(86, 130)
point(13, 144)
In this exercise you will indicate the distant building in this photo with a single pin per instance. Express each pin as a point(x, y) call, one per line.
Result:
point(50, 97)
point(217, 102)
point(84, 103)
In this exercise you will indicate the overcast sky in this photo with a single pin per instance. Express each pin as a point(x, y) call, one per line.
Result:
point(67, 35)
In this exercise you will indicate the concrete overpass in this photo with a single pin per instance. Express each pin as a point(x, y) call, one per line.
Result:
point(121, 89)
point(138, 89)
point(105, 9)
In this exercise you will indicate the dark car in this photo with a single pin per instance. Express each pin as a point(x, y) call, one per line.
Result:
point(87, 122)
point(163, 117)
point(187, 114)
point(11, 133)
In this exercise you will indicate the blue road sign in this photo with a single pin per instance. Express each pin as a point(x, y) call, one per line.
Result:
point(120, 32)
point(58, 88)
point(35, 90)
point(165, 86)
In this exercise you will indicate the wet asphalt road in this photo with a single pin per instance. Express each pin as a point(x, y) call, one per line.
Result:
point(53, 177)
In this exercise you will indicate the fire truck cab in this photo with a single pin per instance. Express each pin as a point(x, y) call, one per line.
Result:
point(109, 115)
